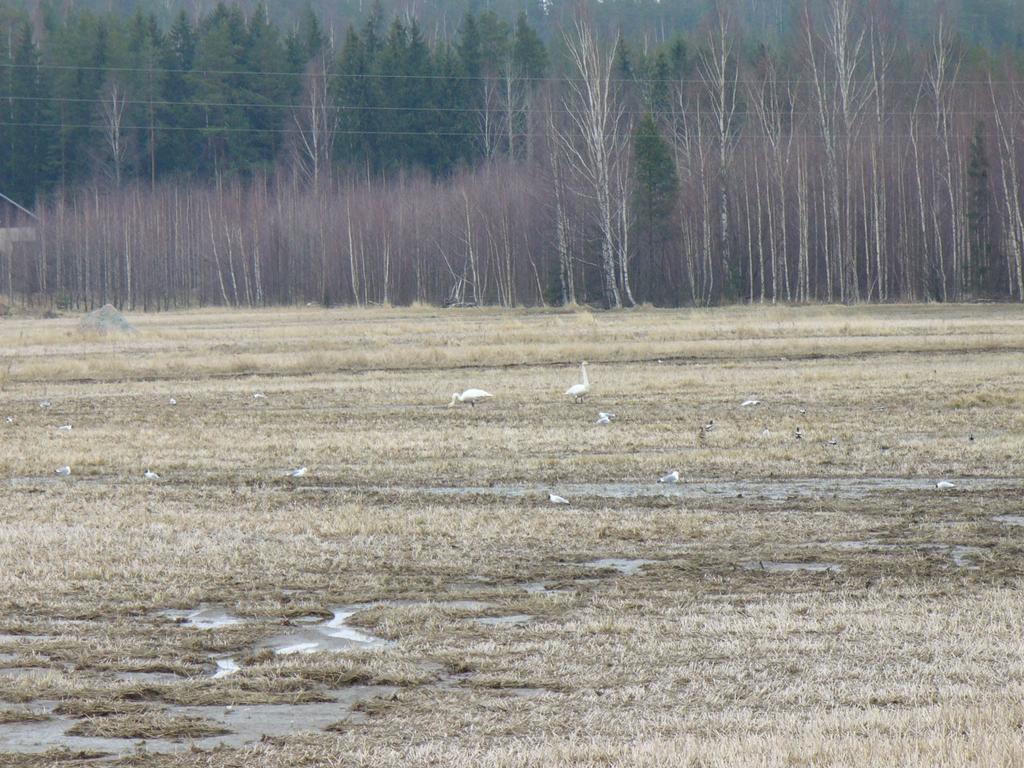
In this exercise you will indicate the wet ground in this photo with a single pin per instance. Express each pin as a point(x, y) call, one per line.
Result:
point(44, 727)
point(244, 724)
point(690, 488)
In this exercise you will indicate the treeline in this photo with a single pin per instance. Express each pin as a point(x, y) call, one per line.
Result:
point(230, 94)
point(990, 23)
point(848, 163)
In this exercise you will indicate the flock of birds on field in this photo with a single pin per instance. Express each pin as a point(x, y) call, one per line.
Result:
point(578, 392)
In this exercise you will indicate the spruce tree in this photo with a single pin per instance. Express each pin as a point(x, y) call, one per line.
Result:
point(979, 210)
point(655, 190)
point(178, 139)
point(33, 135)
point(528, 52)
point(357, 96)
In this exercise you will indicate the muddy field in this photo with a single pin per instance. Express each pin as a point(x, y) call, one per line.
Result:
point(415, 599)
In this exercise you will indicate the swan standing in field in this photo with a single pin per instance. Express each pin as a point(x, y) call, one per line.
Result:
point(63, 471)
point(554, 498)
point(672, 478)
point(471, 396)
point(172, 401)
point(149, 474)
point(300, 472)
point(604, 418)
point(579, 391)
point(64, 428)
point(945, 485)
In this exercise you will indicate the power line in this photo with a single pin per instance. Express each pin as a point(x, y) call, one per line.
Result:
point(458, 77)
point(432, 133)
point(98, 100)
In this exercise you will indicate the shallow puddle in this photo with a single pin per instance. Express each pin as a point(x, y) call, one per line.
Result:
point(963, 556)
point(149, 677)
point(546, 588)
point(857, 546)
point(778, 490)
point(33, 673)
point(622, 565)
point(457, 605)
point(225, 667)
point(778, 567)
point(203, 617)
point(247, 724)
point(332, 635)
point(530, 693)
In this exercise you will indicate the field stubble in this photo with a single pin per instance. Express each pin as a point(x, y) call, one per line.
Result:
point(906, 651)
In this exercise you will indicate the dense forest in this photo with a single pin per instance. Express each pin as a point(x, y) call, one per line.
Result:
point(516, 152)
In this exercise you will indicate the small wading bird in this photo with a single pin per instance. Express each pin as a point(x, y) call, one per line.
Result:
point(471, 396)
point(554, 498)
point(945, 485)
point(799, 434)
point(579, 391)
point(149, 474)
point(671, 478)
point(63, 471)
point(300, 472)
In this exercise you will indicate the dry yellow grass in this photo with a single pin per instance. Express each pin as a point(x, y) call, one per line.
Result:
point(909, 654)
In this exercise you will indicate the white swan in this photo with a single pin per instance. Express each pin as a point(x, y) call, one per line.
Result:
point(945, 485)
point(63, 471)
point(671, 478)
point(554, 498)
point(300, 472)
point(578, 391)
point(149, 474)
point(471, 396)
point(748, 403)
point(172, 401)
point(64, 428)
